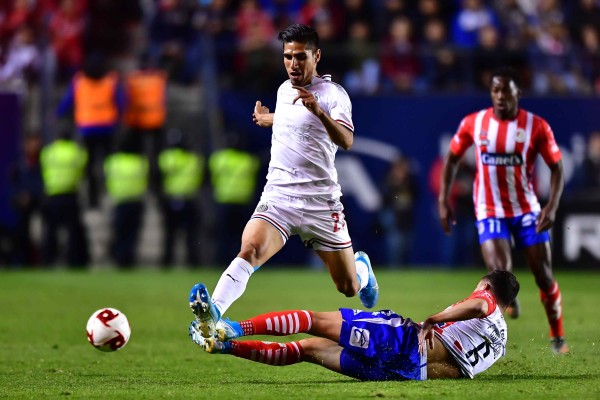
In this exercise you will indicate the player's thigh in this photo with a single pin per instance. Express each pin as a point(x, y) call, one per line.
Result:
point(326, 325)
point(340, 265)
point(260, 241)
point(494, 239)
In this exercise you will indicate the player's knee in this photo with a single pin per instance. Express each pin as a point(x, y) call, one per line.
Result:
point(250, 253)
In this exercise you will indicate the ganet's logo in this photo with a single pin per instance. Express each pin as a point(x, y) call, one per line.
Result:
point(509, 160)
point(359, 337)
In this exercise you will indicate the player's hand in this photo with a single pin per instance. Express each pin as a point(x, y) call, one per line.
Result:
point(261, 115)
point(308, 100)
point(426, 336)
point(446, 216)
point(545, 220)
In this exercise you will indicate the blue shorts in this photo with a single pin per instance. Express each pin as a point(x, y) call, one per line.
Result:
point(380, 346)
point(522, 229)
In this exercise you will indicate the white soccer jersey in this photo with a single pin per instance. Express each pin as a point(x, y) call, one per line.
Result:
point(302, 153)
point(476, 343)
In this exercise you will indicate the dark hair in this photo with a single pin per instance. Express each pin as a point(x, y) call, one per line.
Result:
point(504, 286)
point(506, 72)
point(300, 33)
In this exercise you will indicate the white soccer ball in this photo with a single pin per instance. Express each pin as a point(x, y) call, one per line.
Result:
point(108, 329)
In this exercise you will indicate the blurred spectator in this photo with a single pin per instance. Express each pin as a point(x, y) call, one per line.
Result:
point(357, 11)
point(486, 56)
point(441, 66)
point(63, 163)
point(473, 16)
point(588, 174)
point(182, 172)
point(126, 172)
point(233, 174)
point(462, 247)
point(396, 216)
point(387, 11)
point(27, 190)
point(66, 28)
point(589, 56)
point(399, 61)
point(329, 44)
point(428, 10)
point(146, 113)
point(553, 60)
point(170, 34)
point(95, 99)
point(315, 12)
point(22, 61)
point(362, 76)
point(19, 13)
point(283, 12)
point(256, 62)
point(583, 13)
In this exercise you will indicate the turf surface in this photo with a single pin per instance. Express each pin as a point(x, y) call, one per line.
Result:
point(44, 352)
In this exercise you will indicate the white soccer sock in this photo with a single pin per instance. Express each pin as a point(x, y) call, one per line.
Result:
point(232, 284)
point(363, 273)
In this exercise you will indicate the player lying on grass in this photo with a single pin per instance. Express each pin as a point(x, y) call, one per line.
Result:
point(463, 340)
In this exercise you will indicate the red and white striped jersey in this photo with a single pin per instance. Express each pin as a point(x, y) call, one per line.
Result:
point(505, 154)
point(476, 343)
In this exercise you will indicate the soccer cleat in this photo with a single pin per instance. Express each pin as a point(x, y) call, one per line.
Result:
point(205, 311)
point(195, 334)
point(370, 293)
point(514, 309)
point(559, 345)
point(228, 329)
point(215, 346)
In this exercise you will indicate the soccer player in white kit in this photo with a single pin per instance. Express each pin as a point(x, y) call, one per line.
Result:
point(461, 341)
point(312, 118)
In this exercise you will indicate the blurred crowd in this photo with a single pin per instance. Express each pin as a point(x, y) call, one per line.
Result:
point(407, 46)
point(124, 55)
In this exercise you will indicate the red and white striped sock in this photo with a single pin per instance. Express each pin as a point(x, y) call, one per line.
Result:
point(552, 301)
point(270, 353)
point(280, 323)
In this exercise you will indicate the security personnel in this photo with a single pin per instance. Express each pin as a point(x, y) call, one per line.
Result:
point(233, 173)
point(146, 112)
point(96, 100)
point(126, 174)
point(182, 173)
point(63, 163)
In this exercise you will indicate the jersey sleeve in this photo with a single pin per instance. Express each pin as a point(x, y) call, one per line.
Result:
point(545, 143)
point(488, 297)
point(463, 138)
point(340, 107)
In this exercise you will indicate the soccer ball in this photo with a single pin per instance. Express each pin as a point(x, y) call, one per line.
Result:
point(108, 329)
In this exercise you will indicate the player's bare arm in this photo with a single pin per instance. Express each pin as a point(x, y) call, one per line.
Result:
point(547, 216)
point(262, 116)
point(339, 134)
point(448, 174)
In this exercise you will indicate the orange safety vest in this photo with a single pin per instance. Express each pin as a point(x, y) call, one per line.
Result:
point(95, 100)
point(146, 92)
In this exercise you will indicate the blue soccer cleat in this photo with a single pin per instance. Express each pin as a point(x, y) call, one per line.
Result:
point(205, 311)
point(228, 329)
point(370, 293)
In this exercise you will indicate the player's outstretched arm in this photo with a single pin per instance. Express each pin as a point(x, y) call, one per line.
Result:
point(262, 116)
point(468, 309)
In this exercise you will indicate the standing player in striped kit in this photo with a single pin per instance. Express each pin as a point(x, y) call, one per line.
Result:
point(312, 118)
point(507, 142)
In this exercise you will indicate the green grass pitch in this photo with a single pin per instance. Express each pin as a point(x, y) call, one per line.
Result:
point(44, 352)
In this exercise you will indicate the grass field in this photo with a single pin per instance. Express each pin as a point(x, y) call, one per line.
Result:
point(44, 352)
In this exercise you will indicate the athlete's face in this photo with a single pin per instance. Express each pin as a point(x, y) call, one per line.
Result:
point(300, 63)
point(505, 97)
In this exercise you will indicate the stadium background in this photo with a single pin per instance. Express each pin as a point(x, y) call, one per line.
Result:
point(221, 58)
